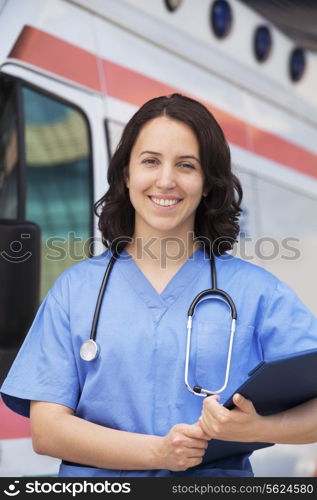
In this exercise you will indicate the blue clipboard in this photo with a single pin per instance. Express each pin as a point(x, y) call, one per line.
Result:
point(273, 386)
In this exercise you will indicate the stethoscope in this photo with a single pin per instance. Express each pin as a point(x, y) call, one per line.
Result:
point(89, 350)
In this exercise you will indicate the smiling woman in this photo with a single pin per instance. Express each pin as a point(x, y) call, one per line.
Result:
point(165, 182)
point(161, 182)
point(173, 149)
point(131, 409)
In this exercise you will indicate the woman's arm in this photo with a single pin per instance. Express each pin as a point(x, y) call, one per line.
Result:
point(295, 426)
point(57, 432)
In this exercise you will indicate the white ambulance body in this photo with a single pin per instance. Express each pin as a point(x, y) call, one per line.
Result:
point(80, 69)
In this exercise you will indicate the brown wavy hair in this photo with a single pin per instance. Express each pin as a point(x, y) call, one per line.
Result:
point(217, 215)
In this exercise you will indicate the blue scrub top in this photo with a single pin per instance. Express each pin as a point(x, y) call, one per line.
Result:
point(137, 382)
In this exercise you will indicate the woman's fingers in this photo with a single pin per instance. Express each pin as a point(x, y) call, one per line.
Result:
point(193, 462)
point(196, 443)
point(244, 404)
point(183, 447)
point(195, 431)
point(196, 452)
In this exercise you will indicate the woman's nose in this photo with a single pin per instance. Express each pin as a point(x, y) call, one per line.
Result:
point(166, 177)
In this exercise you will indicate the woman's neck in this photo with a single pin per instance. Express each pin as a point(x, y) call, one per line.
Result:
point(165, 251)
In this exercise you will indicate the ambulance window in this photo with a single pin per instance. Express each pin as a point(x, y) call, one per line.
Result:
point(172, 5)
point(297, 64)
point(262, 43)
point(8, 151)
point(58, 181)
point(114, 131)
point(221, 18)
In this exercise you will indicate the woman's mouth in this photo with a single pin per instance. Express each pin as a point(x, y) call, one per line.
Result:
point(165, 202)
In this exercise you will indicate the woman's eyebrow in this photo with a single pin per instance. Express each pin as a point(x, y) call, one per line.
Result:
point(183, 157)
point(150, 153)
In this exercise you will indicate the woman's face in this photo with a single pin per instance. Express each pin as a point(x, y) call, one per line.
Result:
point(165, 178)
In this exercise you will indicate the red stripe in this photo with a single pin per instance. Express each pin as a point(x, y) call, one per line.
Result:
point(13, 426)
point(53, 54)
point(282, 151)
point(65, 59)
point(140, 89)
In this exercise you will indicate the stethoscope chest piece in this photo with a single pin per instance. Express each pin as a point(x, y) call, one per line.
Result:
point(89, 350)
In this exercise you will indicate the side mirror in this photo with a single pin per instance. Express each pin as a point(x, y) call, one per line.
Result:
point(20, 248)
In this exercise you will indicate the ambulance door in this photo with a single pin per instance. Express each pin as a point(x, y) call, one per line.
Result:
point(53, 162)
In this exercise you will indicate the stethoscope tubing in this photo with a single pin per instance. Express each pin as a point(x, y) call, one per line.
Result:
point(93, 332)
point(90, 350)
point(197, 390)
point(213, 293)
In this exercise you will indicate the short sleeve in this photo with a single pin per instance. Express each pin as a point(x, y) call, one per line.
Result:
point(288, 326)
point(45, 367)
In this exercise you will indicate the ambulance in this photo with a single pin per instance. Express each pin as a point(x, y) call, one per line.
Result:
point(72, 72)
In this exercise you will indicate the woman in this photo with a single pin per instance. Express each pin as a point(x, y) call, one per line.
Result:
point(172, 202)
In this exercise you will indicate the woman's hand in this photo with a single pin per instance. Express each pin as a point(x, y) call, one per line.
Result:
point(242, 423)
point(183, 447)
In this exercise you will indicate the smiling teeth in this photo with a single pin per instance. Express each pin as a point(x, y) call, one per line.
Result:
point(164, 203)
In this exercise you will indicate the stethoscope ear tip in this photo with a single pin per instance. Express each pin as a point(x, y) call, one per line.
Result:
point(89, 350)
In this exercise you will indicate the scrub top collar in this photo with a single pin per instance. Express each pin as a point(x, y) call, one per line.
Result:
point(159, 303)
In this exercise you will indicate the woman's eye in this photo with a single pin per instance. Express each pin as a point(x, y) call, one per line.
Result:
point(187, 165)
point(150, 161)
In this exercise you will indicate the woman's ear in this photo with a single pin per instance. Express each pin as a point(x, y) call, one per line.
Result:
point(206, 189)
point(126, 176)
